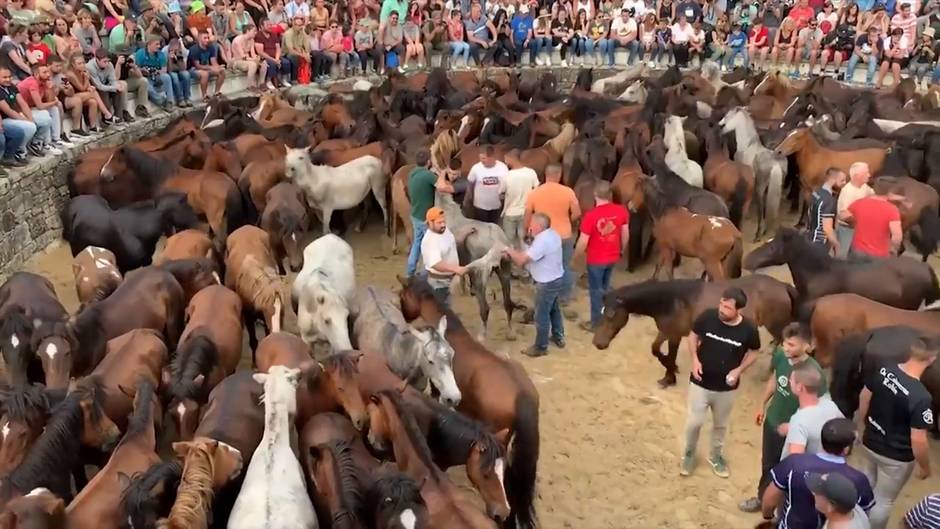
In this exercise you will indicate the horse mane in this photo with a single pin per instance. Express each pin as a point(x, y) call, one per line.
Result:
point(15, 322)
point(195, 493)
point(196, 356)
point(445, 146)
point(141, 420)
point(449, 425)
point(654, 297)
point(57, 448)
point(417, 440)
point(420, 287)
point(172, 124)
point(149, 170)
point(394, 492)
point(342, 363)
point(813, 256)
point(352, 481)
point(137, 497)
point(263, 282)
point(25, 404)
point(89, 334)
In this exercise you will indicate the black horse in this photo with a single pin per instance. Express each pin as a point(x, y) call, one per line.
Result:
point(131, 232)
point(664, 188)
point(857, 356)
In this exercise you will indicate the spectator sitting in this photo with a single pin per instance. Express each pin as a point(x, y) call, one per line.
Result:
point(268, 46)
point(278, 17)
point(86, 34)
point(13, 53)
point(79, 79)
point(65, 94)
point(203, 58)
point(221, 23)
point(481, 34)
point(105, 79)
point(320, 62)
point(623, 34)
point(124, 37)
point(152, 63)
point(39, 93)
point(37, 51)
point(868, 49)
point(562, 34)
point(239, 20)
point(542, 38)
point(16, 115)
point(364, 40)
point(923, 58)
point(414, 50)
point(176, 58)
point(895, 48)
point(295, 47)
point(320, 15)
point(435, 37)
point(458, 47)
point(294, 8)
point(392, 37)
point(245, 58)
point(521, 35)
point(198, 22)
point(64, 41)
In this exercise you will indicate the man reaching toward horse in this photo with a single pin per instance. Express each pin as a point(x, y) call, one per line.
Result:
point(723, 344)
point(439, 252)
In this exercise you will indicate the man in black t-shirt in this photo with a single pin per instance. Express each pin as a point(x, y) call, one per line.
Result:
point(895, 406)
point(822, 211)
point(723, 344)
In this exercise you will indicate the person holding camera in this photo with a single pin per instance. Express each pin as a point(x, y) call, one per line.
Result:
point(104, 77)
point(152, 63)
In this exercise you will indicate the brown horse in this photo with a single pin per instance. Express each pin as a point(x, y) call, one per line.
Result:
point(551, 152)
point(24, 413)
point(285, 220)
point(675, 304)
point(496, 391)
point(401, 205)
point(96, 274)
point(340, 157)
point(98, 505)
point(32, 323)
point(208, 466)
point(251, 271)
point(258, 177)
point(209, 350)
point(210, 193)
point(40, 509)
point(836, 316)
point(193, 274)
point(187, 244)
point(134, 357)
point(274, 111)
point(392, 426)
point(733, 181)
point(330, 385)
point(149, 298)
point(713, 240)
point(919, 218)
point(222, 158)
point(78, 421)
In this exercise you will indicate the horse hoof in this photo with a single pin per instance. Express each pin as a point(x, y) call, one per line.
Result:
point(666, 381)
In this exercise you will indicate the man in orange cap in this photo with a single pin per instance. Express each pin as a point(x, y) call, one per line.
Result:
point(439, 253)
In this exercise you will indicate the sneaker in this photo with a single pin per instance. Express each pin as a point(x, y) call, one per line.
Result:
point(34, 149)
point(548, 61)
point(127, 117)
point(269, 85)
point(558, 342)
point(719, 466)
point(141, 112)
point(13, 162)
point(60, 144)
point(53, 150)
point(112, 119)
point(80, 132)
point(688, 464)
point(65, 140)
point(751, 504)
point(534, 352)
point(564, 63)
point(286, 83)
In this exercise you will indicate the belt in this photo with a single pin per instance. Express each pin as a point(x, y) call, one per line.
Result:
point(434, 275)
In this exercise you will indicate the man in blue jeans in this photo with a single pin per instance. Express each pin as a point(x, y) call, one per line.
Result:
point(422, 184)
point(152, 63)
point(605, 232)
point(868, 49)
point(544, 261)
point(17, 118)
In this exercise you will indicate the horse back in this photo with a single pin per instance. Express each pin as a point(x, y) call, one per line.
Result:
point(98, 505)
point(233, 414)
point(34, 294)
point(218, 310)
point(146, 299)
point(281, 348)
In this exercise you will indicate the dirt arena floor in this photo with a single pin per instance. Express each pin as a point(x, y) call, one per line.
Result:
point(611, 439)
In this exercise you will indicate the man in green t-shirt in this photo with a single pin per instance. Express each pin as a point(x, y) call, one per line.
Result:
point(797, 342)
point(422, 184)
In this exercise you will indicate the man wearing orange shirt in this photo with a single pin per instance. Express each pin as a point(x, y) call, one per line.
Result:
point(560, 204)
point(802, 13)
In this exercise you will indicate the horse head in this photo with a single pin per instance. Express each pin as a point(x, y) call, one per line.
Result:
point(296, 162)
point(213, 460)
point(396, 503)
point(614, 316)
point(175, 213)
point(97, 429)
point(15, 344)
point(337, 376)
point(773, 252)
point(149, 495)
point(25, 410)
point(55, 346)
point(280, 389)
point(437, 360)
point(486, 469)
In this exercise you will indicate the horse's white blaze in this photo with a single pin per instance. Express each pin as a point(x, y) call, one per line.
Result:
point(205, 116)
point(760, 85)
point(486, 121)
point(293, 237)
point(276, 319)
point(104, 172)
point(14, 341)
point(102, 263)
point(214, 123)
point(500, 468)
point(218, 280)
point(407, 519)
point(38, 490)
point(787, 110)
point(51, 351)
point(181, 411)
point(5, 431)
point(715, 222)
point(464, 121)
point(85, 279)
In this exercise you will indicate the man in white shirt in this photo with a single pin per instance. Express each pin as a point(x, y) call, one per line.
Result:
point(623, 34)
point(439, 253)
point(856, 188)
point(297, 8)
point(488, 177)
point(519, 181)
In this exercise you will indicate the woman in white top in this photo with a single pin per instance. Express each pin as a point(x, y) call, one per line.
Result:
point(895, 56)
point(828, 14)
point(857, 187)
point(681, 34)
point(587, 6)
point(697, 42)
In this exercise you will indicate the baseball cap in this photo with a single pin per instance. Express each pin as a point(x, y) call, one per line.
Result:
point(435, 213)
point(838, 489)
point(196, 6)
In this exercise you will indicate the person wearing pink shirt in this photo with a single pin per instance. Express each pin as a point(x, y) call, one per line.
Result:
point(801, 14)
point(906, 20)
point(331, 43)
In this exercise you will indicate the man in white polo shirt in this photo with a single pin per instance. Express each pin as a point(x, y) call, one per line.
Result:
point(439, 253)
point(488, 177)
point(544, 261)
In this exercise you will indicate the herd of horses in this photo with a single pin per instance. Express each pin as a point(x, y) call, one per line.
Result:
point(349, 402)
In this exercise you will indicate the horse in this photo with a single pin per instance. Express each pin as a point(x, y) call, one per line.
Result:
point(133, 358)
point(857, 356)
point(149, 298)
point(258, 177)
point(713, 240)
point(401, 205)
point(551, 152)
point(509, 399)
point(78, 421)
point(327, 385)
point(396, 499)
point(131, 232)
point(676, 157)
point(833, 317)
point(208, 466)
point(38, 509)
point(274, 476)
point(666, 188)
point(921, 219)
point(187, 244)
point(150, 494)
point(899, 281)
point(336, 188)
point(338, 483)
point(96, 274)
point(769, 167)
point(193, 275)
point(324, 290)
point(32, 323)
point(481, 239)
point(24, 410)
point(209, 349)
point(99, 503)
point(731, 180)
point(251, 271)
point(391, 424)
point(675, 304)
point(209, 193)
point(285, 220)
point(416, 355)
point(273, 111)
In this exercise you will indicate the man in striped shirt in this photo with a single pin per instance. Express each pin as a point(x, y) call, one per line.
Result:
point(924, 515)
point(822, 211)
point(906, 19)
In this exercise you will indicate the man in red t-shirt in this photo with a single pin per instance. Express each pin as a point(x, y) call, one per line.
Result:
point(605, 232)
point(802, 13)
point(877, 228)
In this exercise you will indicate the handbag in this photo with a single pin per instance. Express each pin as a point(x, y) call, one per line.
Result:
point(303, 71)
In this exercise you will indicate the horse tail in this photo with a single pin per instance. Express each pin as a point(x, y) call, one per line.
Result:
point(925, 235)
point(736, 208)
point(933, 294)
point(732, 260)
point(847, 378)
point(774, 195)
point(235, 214)
point(523, 464)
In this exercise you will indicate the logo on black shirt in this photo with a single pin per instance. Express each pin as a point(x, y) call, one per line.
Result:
point(928, 416)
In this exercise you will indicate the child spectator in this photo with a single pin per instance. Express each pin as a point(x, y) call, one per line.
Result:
point(364, 41)
point(737, 45)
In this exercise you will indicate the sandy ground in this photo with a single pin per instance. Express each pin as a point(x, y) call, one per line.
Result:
point(611, 439)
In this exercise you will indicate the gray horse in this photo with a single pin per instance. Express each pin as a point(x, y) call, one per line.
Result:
point(480, 242)
point(416, 355)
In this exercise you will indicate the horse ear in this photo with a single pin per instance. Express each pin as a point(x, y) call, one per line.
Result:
point(260, 377)
point(286, 149)
point(442, 326)
point(181, 449)
point(199, 379)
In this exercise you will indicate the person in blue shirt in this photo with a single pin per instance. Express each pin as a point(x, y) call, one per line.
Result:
point(152, 63)
point(521, 34)
point(204, 62)
point(737, 45)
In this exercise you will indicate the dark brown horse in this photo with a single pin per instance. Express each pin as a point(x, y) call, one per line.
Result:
point(731, 180)
point(187, 244)
point(133, 358)
point(285, 220)
point(32, 323)
point(899, 281)
point(675, 304)
point(496, 391)
point(25, 410)
point(150, 494)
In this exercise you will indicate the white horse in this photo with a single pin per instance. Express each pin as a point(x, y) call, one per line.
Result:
point(323, 291)
point(630, 73)
point(329, 189)
point(635, 93)
point(769, 167)
point(274, 494)
point(676, 157)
